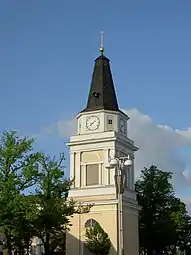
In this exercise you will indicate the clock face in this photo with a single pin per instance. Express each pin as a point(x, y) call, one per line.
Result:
point(122, 126)
point(92, 123)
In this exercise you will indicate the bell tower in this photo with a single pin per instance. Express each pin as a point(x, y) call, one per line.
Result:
point(101, 137)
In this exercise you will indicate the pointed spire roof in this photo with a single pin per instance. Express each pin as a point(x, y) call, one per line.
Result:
point(102, 94)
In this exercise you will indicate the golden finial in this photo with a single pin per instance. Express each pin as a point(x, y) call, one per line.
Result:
point(102, 43)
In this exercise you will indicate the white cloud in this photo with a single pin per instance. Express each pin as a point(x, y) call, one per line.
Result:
point(158, 144)
point(187, 201)
point(66, 128)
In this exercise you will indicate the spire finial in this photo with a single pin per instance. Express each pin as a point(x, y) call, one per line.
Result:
point(102, 42)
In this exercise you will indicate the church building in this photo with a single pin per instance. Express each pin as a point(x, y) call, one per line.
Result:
point(102, 167)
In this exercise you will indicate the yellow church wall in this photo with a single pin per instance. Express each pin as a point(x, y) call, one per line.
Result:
point(130, 231)
point(105, 215)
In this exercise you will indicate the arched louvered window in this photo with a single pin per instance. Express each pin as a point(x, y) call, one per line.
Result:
point(90, 223)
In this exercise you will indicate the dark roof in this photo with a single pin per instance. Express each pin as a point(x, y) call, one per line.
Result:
point(102, 92)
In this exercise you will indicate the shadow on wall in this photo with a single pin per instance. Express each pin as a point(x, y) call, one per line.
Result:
point(75, 246)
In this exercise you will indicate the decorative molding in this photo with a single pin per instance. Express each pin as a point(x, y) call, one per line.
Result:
point(93, 191)
point(129, 195)
point(84, 149)
point(100, 173)
point(121, 113)
point(101, 137)
point(91, 163)
point(100, 203)
point(103, 209)
point(84, 170)
point(127, 206)
point(77, 169)
point(88, 141)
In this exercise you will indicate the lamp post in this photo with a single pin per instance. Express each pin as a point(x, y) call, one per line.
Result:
point(119, 164)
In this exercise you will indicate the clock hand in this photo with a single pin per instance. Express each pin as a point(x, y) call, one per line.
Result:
point(92, 123)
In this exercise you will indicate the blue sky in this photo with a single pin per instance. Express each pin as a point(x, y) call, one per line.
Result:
point(47, 50)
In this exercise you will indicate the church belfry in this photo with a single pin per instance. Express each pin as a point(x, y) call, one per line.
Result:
point(101, 136)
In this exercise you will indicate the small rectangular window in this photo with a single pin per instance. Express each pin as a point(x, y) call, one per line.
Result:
point(92, 174)
point(109, 121)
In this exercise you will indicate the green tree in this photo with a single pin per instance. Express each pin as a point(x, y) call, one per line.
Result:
point(58, 243)
point(184, 234)
point(161, 213)
point(54, 210)
point(45, 213)
point(97, 240)
point(23, 210)
point(18, 172)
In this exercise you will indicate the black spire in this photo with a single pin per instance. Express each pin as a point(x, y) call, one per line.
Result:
point(102, 92)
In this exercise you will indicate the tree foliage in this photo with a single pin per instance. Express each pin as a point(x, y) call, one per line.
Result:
point(52, 218)
point(97, 240)
point(163, 217)
point(184, 234)
point(33, 193)
point(18, 172)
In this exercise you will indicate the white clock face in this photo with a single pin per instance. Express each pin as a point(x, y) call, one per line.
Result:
point(92, 123)
point(122, 126)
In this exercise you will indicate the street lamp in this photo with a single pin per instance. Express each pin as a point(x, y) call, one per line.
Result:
point(123, 161)
point(119, 164)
